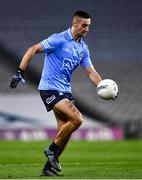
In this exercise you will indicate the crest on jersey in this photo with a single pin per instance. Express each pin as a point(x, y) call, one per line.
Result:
point(81, 55)
point(69, 64)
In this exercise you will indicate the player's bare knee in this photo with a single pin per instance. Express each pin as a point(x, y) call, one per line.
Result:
point(77, 123)
point(78, 120)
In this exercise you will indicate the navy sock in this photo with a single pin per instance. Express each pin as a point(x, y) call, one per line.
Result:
point(54, 147)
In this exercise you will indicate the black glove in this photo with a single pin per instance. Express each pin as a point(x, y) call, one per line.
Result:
point(19, 76)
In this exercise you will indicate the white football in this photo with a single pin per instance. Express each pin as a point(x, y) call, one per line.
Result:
point(107, 89)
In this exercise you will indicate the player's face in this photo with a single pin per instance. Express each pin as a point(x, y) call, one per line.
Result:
point(82, 27)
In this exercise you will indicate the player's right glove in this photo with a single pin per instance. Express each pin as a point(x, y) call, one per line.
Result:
point(19, 76)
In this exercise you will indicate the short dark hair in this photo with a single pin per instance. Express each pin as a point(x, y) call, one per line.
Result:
point(82, 14)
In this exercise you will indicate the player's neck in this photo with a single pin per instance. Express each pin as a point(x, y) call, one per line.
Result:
point(75, 35)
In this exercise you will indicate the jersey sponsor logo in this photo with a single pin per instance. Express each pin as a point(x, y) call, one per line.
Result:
point(50, 99)
point(74, 51)
point(69, 64)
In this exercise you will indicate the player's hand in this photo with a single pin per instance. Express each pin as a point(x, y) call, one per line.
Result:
point(19, 76)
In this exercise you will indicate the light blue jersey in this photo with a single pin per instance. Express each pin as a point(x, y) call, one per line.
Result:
point(62, 56)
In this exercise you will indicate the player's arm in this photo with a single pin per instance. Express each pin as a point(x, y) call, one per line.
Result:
point(93, 75)
point(47, 45)
point(89, 68)
point(29, 54)
point(19, 76)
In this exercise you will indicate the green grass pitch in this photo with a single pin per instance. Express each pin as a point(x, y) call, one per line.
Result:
point(81, 160)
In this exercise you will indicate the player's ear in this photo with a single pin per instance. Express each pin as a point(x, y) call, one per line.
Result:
point(75, 25)
point(75, 22)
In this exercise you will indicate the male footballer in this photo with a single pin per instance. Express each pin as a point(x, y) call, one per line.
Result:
point(63, 53)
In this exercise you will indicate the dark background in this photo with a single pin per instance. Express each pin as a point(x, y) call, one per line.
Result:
point(114, 40)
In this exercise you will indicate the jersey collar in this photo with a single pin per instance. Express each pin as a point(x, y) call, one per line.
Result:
point(70, 34)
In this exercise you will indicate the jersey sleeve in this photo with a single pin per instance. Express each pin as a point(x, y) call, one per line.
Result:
point(86, 61)
point(51, 43)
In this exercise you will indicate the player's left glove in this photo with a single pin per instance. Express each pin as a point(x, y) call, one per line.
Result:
point(19, 76)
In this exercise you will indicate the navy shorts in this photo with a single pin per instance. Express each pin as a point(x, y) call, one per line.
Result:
point(51, 97)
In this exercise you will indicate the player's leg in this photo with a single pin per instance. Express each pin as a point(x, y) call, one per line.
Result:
point(61, 103)
point(73, 116)
point(47, 169)
point(74, 120)
point(61, 120)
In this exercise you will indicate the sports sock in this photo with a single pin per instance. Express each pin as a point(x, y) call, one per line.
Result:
point(54, 147)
